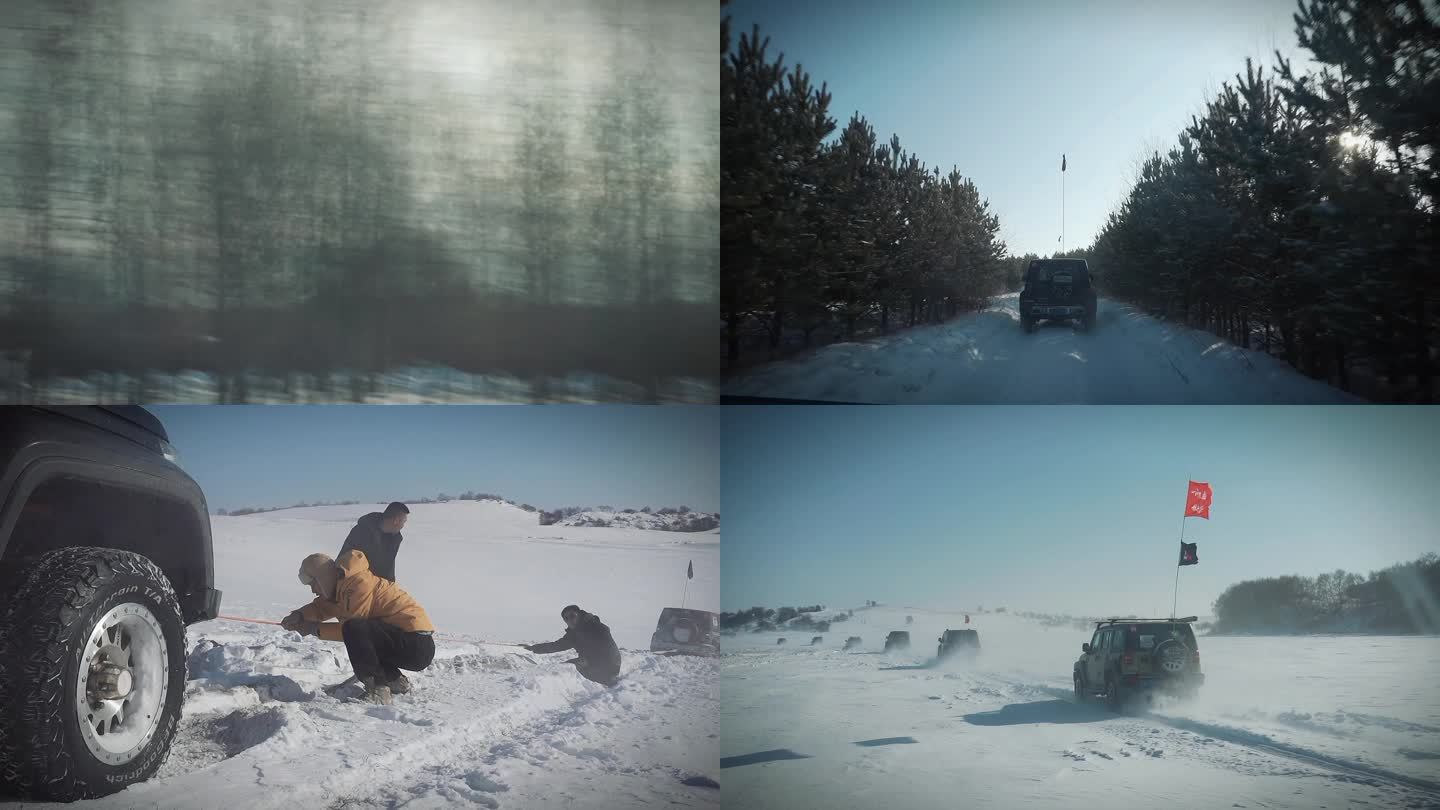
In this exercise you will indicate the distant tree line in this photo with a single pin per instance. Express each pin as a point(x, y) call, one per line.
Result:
point(691, 521)
point(834, 238)
point(441, 498)
point(1297, 214)
point(1399, 599)
point(765, 620)
point(248, 510)
point(277, 196)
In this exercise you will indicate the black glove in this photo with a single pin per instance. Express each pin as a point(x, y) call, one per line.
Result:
point(292, 622)
point(309, 629)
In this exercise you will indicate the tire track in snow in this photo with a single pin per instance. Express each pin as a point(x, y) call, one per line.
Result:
point(1255, 741)
point(583, 733)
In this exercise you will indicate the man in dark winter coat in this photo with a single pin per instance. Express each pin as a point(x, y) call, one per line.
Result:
point(597, 656)
point(378, 536)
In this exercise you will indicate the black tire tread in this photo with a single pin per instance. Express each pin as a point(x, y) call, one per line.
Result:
point(37, 630)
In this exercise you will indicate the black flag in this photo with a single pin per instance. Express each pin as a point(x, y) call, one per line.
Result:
point(1062, 163)
point(1188, 555)
point(690, 570)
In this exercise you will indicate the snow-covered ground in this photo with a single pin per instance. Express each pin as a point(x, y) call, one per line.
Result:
point(428, 385)
point(986, 357)
point(487, 724)
point(1294, 722)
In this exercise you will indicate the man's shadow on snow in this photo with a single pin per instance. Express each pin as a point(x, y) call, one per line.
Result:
point(1040, 711)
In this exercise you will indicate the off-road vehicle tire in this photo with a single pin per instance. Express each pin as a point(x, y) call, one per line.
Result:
point(1087, 321)
point(1114, 695)
point(1027, 323)
point(1080, 695)
point(75, 607)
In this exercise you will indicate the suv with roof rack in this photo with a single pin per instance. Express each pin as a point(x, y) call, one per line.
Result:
point(1128, 657)
point(1058, 289)
point(105, 558)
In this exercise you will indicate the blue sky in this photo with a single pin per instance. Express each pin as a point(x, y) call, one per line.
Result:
point(1002, 89)
point(626, 456)
point(1064, 509)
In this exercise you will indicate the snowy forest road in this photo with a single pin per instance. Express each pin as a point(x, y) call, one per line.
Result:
point(985, 357)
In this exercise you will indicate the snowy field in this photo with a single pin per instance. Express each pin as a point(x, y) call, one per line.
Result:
point(487, 724)
point(986, 357)
point(1296, 722)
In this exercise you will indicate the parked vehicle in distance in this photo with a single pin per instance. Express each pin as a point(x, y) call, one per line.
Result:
point(852, 642)
point(686, 631)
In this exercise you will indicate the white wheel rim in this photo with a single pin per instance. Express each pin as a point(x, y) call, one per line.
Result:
point(116, 730)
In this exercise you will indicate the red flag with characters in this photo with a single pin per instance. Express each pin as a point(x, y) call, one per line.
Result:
point(1197, 502)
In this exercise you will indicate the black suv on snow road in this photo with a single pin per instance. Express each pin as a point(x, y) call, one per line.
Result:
point(1057, 289)
point(105, 559)
point(897, 640)
point(1127, 657)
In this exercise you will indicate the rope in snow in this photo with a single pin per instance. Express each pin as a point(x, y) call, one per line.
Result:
point(436, 636)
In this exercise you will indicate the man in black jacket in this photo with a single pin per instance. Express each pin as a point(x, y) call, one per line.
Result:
point(378, 536)
point(598, 657)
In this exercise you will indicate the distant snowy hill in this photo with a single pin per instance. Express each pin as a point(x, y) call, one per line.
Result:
point(650, 521)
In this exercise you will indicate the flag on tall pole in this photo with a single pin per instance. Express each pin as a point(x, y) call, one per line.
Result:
point(1188, 555)
point(1198, 497)
point(690, 570)
point(689, 575)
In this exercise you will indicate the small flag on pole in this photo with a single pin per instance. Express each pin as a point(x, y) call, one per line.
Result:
point(1062, 161)
point(1188, 554)
point(690, 570)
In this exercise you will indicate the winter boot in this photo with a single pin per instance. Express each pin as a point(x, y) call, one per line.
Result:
point(375, 694)
point(400, 685)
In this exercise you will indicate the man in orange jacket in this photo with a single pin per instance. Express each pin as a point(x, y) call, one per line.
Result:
point(384, 629)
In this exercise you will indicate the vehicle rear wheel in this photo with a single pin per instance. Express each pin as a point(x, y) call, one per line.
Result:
point(92, 674)
point(1114, 696)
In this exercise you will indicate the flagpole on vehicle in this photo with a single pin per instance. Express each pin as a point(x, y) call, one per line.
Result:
point(1175, 597)
point(1062, 204)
